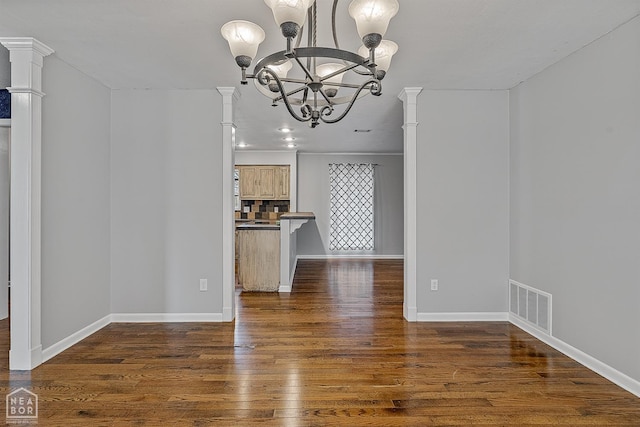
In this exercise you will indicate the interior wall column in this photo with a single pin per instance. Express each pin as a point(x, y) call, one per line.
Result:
point(229, 97)
point(409, 97)
point(26, 56)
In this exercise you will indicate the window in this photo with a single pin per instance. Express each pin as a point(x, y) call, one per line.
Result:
point(351, 225)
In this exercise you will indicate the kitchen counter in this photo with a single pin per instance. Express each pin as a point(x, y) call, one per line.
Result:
point(297, 215)
point(290, 222)
point(258, 250)
point(252, 226)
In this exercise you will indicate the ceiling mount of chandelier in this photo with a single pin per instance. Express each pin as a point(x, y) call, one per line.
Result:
point(319, 85)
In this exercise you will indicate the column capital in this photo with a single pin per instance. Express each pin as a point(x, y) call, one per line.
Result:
point(26, 43)
point(409, 97)
point(26, 56)
point(230, 95)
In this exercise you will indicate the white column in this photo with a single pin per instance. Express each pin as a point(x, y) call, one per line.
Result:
point(26, 55)
point(5, 131)
point(229, 96)
point(409, 97)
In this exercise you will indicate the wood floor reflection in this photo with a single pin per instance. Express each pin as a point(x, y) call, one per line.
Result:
point(336, 351)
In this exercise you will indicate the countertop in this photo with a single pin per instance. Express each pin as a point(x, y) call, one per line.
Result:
point(297, 215)
point(253, 226)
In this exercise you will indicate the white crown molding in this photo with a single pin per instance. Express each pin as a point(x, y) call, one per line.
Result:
point(28, 90)
point(27, 44)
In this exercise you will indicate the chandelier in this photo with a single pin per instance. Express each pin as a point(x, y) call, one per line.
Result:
point(320, 85)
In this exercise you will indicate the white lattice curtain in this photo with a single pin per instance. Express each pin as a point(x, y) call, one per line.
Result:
point(351, 216)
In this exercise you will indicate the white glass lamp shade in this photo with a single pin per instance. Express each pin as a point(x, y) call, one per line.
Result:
point(289, 10)
point(325, 70)
point(383, 54)
point(373, 16)
point(281, 70)
point(244, 37)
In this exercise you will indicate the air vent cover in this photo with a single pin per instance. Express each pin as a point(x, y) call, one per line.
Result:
point(530, 305)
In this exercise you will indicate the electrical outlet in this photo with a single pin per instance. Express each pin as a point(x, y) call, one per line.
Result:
point(434, 284)
point(203, 285)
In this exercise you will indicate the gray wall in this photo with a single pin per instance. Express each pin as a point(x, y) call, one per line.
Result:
point(75, 201)
point(5, 68)
point(463, 198)
point(313, 196)
point(166, 174)
point(575, 195)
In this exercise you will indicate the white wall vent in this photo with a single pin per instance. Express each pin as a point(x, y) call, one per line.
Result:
point(531, 305)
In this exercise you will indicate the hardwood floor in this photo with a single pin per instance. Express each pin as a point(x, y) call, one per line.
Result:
point(336, 351)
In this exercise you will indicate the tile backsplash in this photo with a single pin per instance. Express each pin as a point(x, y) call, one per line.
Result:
point(262, 209)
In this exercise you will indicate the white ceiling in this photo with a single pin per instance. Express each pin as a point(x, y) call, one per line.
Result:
point(444, 44)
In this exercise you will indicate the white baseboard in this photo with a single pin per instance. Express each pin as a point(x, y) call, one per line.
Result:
point(462, 317)
point(41, 356)
point(286, 288)
point(349, 256)
point(165, 317)
point(17, 362)
point(581, 357)
point(227, 314)
point(74, 338)
point(410, 313)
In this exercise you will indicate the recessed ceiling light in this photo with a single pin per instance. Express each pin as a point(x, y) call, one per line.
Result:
point(285, 130)
point(289, 139)
point(242, 145)
point(291, 145)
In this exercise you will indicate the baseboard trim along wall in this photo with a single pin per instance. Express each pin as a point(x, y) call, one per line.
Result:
point(165, 317)
point(581, 357)
point(462, 317)
point(85, 332)
point(74, 338)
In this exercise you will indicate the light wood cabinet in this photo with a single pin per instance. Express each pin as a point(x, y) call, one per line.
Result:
point(283, 185)
point(264, 182)
point(259, 260)
point(248, 181)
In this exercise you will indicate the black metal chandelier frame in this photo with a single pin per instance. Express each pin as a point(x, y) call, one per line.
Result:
point(316, 103)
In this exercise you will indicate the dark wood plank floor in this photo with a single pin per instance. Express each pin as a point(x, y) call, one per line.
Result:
point(336, 351)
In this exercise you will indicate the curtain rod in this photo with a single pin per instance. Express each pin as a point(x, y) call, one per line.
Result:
point(360, 164)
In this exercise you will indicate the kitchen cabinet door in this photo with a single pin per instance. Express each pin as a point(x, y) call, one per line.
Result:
point(248, 182)
point(266, 182)
point(283, 183)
